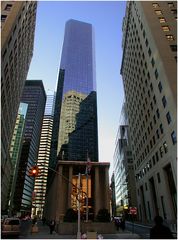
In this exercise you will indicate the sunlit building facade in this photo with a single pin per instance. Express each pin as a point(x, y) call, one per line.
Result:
point(43, 156)
point(17, 38)
point(149, 71)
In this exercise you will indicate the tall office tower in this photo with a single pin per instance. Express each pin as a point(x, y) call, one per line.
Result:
point(43, 156)
point(149, 71)
point(125, 186)
point(34, 95)
point(15, 150)
point(17, 38)
point(74, 136)
point(75, 116)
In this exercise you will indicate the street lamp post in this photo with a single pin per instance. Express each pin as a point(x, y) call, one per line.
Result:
point(79, 188)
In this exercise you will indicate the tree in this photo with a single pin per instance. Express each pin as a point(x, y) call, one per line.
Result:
point(103, 215)
point(70, 216)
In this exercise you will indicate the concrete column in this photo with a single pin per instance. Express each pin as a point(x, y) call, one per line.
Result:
point(97, 191)
point(107, 203)
point(70, 186)
point(53, 196)
point(59, 194)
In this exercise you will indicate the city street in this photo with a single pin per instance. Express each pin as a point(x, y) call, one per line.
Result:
point(43, 233)
point(142, 230)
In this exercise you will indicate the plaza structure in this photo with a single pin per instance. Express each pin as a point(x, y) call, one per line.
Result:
point(75, 131)
point(63, 193)
point(149, 72)
point(34, 95)
point(43, 157)
point(17, 38)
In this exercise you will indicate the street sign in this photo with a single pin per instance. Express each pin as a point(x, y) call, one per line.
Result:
point(133, 210)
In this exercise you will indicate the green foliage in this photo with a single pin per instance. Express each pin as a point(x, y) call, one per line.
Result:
point(103, 215)
point(70, 216)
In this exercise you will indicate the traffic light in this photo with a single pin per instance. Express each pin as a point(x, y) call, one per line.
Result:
point(33, 171)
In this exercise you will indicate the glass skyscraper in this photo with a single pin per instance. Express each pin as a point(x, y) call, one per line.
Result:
point(34, 95)
point(75, 116)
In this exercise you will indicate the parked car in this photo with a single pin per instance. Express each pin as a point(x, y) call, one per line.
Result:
point(10, 227)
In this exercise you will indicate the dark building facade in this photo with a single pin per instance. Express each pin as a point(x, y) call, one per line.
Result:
point(17, 38)
point(34, 95)
point(75, 115)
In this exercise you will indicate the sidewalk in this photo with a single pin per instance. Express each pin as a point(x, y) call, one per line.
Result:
point(43, 233)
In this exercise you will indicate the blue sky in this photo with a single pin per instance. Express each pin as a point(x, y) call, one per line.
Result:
point(106, 18)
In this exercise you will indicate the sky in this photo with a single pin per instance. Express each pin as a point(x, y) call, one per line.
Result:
point(106, 18)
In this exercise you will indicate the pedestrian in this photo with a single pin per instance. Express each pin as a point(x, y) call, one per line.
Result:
point(122, 224)
point(52, 226)
point(117, 223)
point(159, 231)
point(44, 220)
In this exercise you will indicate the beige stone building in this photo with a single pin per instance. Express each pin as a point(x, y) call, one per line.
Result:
point(62, 193)
point(17, 38)
point(149, 71)
point(70, 107)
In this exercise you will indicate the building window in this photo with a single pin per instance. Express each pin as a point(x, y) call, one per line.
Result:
point(154, 141)
point(164, 101)
point(168, 116)
point(170, 4)
point(154, 119)
point(174, 138)
point(154, 99)
point(152, 62)
point(156, 73)
point(151, 87)
point(8, 7)
point(165, 147)
point(157, 133)
point(3, 18)
point(157, 113)
point(160, 87)
point(149, 52)
point(162, 20)
point(161, 128)
point(157, 156)
point(158, 12)
point(155, 5)
point(161, 151)
point(158, 177)
point(170, 37)
point(165, 28)
point(146, 42)
point(154, 162)
point(174, 11)
point(173, 48)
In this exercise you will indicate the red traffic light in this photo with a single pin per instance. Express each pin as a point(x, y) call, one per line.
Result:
point(34, 171)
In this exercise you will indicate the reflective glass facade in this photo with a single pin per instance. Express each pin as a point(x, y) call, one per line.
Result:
point(34, 95)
